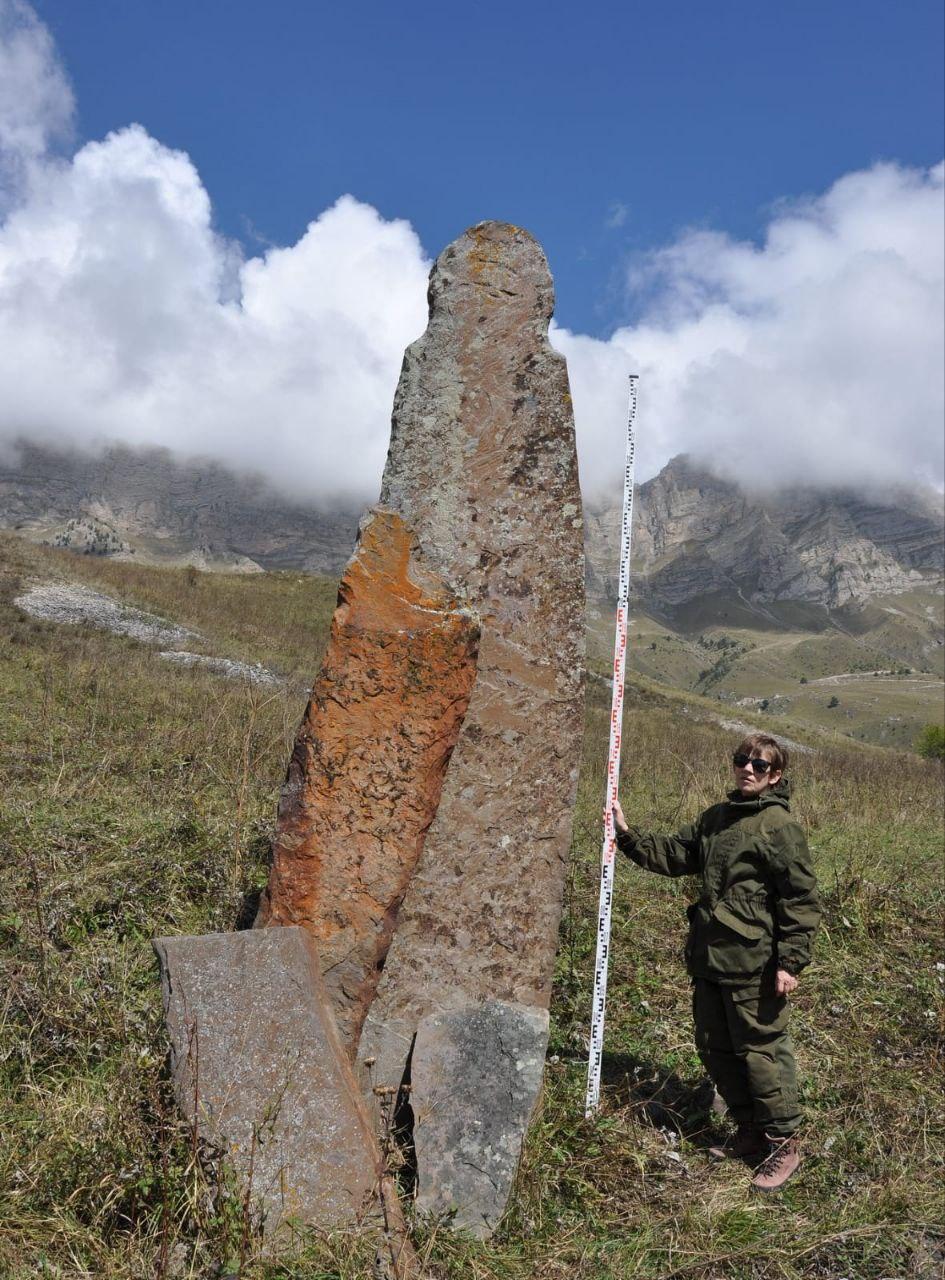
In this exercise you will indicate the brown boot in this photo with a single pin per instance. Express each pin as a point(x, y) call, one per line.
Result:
point(779, 1164)
point(746, 1143)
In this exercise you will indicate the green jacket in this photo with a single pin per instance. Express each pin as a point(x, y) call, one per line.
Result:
point(759, 908)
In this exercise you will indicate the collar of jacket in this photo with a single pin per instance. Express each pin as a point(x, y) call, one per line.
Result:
point(780, 794)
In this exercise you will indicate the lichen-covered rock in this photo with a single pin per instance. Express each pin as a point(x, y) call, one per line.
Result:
point(365, 775)
point(458, 640)
point(482, 469)
point(259, 1069)
point(475, 1076)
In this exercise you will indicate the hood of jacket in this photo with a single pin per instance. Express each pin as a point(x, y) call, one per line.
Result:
point(780, 794)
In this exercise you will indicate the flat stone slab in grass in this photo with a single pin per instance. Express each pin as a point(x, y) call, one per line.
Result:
point(258, 1063)
point(475, 1077)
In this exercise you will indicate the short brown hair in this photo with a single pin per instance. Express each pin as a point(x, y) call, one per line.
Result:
point(764, 742)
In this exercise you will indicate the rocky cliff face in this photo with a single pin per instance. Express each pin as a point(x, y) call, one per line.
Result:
point(695, 535)
point(165, 509)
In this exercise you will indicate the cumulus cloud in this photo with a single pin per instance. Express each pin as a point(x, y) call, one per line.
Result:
point(36, 102)
point(124, 315)
point(812, 358)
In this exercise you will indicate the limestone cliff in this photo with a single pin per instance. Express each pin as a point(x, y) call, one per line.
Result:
point(164, 509)
point(696, 535)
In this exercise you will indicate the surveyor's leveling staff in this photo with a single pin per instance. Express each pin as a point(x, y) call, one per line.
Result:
point(613, 775)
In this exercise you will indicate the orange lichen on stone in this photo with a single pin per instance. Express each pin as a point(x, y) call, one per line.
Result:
point(378, 591)
point(364, 779)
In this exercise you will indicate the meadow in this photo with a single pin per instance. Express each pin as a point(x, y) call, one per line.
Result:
point(875, 676)
point(138, 798)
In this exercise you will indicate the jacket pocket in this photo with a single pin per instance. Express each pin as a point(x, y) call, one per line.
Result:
point(736, 945)
point(750, 932)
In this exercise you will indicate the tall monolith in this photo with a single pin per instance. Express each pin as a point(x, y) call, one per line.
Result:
point(482, 470)
point(425, 820)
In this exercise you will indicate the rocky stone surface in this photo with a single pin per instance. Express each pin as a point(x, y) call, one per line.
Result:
point(482, 468)
point(170, 511)
point(229, 668)
point(365, 775)
point(259, 1068)
point(468, 1139)
point(696, 535)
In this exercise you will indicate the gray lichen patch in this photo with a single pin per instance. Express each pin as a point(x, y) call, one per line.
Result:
point(475, 1077)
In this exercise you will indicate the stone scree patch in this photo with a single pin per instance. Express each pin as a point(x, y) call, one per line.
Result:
point(258, 1066)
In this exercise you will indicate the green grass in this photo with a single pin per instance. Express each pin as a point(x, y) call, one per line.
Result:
point(137, 798)
point(282, 615)
point(784, 678)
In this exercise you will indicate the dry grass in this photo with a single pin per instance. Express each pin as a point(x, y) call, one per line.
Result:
point(282, 615)
point(137, 799)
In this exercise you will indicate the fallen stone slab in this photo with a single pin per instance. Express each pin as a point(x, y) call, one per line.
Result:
point(476, 1073)
point(482, 469)
point(259, 1068)
point(365, 775)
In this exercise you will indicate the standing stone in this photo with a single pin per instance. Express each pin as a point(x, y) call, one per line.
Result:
point(468, 1158)
point(259, 1068)
point(482, 469)
point(365, 775)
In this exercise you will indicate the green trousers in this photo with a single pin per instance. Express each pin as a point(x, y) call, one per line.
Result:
point(743, 1041)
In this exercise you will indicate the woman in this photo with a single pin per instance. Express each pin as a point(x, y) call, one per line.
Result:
point(750, 935)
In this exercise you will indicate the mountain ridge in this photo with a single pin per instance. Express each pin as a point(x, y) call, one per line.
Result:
point(168, 510)
point(696, 535)
point(697, 538)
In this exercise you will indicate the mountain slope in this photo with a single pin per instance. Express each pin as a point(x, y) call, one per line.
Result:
point(169, 510)
point(859, 578)
point(696, 536)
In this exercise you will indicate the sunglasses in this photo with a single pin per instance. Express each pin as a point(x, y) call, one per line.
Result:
point(757, 764)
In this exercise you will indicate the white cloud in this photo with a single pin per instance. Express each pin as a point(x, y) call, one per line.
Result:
point(124, 315)
point(36, 101)
point(814, 358)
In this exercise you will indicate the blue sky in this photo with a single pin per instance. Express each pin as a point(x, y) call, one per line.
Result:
point(561, 117)
point(217, 221)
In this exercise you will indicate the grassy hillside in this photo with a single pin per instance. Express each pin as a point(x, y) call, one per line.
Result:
point(875, 674)
point(137, 798)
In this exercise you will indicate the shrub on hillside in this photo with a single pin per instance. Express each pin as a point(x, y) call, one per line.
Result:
point(931, 742)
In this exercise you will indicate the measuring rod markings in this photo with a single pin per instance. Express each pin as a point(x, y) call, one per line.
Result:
point(609, 849)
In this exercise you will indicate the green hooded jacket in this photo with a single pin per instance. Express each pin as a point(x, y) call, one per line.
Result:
point(759, 908)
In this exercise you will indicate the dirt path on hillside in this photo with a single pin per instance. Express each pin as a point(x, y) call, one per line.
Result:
point(842, 676)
